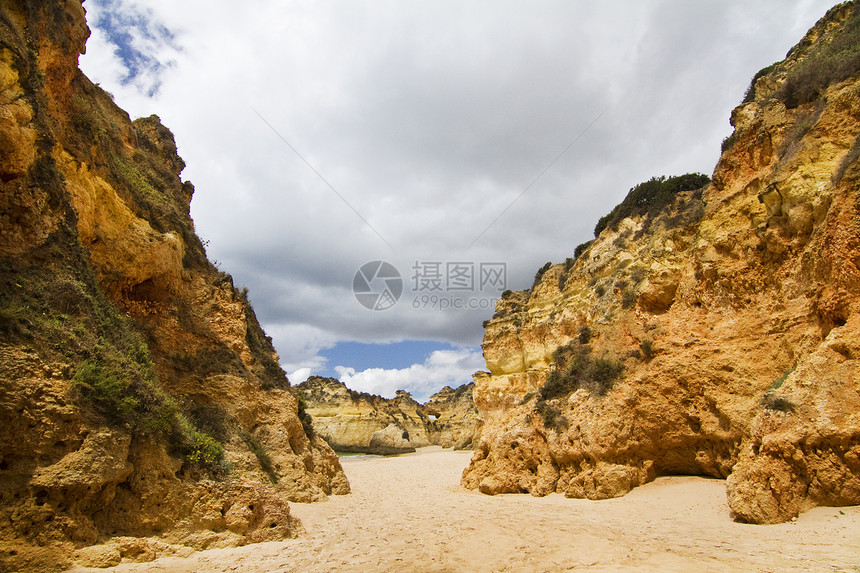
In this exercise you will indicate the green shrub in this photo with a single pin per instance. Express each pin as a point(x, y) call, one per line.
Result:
point(203, 450)
point(267, 369)
point(584, 335)
point(650, 198)
point(750, 93)
point(52, 301)
point(575, 368)
point(647, 346)
point(628, 299)
point(776, 384)
point(302, 407)
point(728, 142)
point(541, 272)
point(604, 372)
point(261, 454)
point(604, 222)
point(581, 248)
point(108, 389)
point(211, 420)
point(771, 401)
point(15, 318)
point(123, 392)
point(556, 384)
point(551, 415)
point(271, 375)
point(829, 64)
point(307, 420)
point(561, 356)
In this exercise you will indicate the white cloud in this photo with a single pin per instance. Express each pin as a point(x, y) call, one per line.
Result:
point(100, 55)
point(442, 368)
point(133, 44)
point(299, 347)
point(299, 376)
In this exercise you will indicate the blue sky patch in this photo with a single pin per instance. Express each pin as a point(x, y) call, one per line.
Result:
point(397, 355)
point(137, 37)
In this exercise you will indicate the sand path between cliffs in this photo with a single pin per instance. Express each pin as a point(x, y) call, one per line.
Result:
point(408, 513)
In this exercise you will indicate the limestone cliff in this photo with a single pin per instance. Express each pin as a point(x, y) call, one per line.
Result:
point(715, 335)
point(139, 396)
point(454, 418)
point(353, 421)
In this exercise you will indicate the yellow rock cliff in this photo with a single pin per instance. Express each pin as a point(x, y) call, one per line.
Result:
point(140, 398)
point(717, 337)
point(359, 422)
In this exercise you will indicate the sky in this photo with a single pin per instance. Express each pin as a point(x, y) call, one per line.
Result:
point(378, 172)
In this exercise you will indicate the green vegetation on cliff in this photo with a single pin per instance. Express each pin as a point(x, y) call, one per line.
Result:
point(650, 198)
point(575, 368)
point(834, 62)
point(52, 301)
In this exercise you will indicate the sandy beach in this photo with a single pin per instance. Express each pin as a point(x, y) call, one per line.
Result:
point(408, 513)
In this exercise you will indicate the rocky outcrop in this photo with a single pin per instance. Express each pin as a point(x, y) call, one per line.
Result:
point(453, 418)
point(391, 440)
point(359, 422)
point(353, 421)
point(803, 448)
point(712, 333)
point(140, 398)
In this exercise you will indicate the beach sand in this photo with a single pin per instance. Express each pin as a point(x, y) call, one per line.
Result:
point(408, 513)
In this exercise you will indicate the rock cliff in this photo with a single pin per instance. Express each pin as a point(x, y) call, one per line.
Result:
point(353, 421)
point(709, 331)
point(140, 398)
point(454, 418)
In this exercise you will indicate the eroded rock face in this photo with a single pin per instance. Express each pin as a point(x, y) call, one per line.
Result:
point(128, 362)
point(359, 422)
point(803, 449)
point(453, 418)
point(706, 307)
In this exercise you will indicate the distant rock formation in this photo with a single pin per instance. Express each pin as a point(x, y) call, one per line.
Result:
point(453, 418)
point(711, 331)
point(353, 421)
point(139, 395)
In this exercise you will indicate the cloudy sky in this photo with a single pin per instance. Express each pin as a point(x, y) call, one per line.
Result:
point(464, 143)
